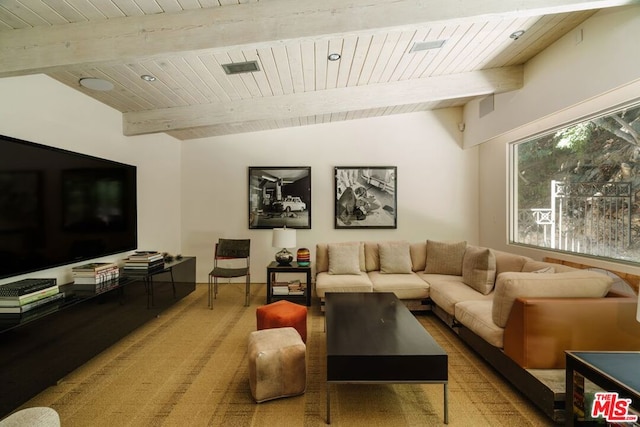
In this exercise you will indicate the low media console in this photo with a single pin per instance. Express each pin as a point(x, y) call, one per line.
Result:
point(37, 353)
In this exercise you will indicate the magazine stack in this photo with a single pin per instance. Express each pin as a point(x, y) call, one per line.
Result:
point(144, 262)
point(21, 298)
point(96, 276)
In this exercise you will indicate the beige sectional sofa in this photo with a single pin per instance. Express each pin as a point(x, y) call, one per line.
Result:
point(518, 313)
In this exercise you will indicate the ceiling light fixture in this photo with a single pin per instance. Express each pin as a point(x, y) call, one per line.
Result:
point(96, 84)
point(517, 34)
point(334, 56)
point(148, 78)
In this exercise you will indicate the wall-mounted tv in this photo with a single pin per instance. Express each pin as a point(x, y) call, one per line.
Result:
point(58, 207)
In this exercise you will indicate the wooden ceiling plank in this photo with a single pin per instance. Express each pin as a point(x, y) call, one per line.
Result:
point(268, 64)
point(294, 58)
point(260, 78)
point(388, 47)
point(475, 83)
point(399, 54)
point(213, 89)
point(349, 45)
point(149, 7)
point(248, 79)
point(284, 68)
point(446, 54)
point(129, 7)
point(359, 58)
point(308, 54)
point(33, 13)
point(234, 79)
point(320, 60)
point(433, 56)
point(107, 8)
point(87, 9)
point(181, 86)
point(333, 67)
point(219, 76)
point(164, 33)
point(375, 47)
point(170, 6)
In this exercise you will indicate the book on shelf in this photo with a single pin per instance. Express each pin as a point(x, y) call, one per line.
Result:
point(28, 298)
point(145, 256)
point(94, 267)
point(104, 276)
point(19, 309)
point(25, 287)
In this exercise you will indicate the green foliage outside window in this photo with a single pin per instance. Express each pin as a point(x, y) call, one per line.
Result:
point(595, 164)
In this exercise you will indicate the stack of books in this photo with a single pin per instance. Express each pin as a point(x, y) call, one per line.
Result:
point(23, 296)
point(144, 261)
point(293, 287)
point(96, 276)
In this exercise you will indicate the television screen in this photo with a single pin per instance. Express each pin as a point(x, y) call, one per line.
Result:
point(58, 207)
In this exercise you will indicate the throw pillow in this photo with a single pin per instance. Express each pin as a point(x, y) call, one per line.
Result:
point(445, 257)
point(395, 257)
point(479, 269)
point(344, 258)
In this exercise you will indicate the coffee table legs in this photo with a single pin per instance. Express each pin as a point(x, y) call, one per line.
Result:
point(446, 403)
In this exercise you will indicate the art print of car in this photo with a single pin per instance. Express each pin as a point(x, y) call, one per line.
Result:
point(290, 204)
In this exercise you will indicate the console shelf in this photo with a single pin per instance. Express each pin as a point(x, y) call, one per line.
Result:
point(38, 351)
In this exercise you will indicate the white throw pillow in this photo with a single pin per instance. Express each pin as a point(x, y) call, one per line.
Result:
point(395, 257)
point(344, 258)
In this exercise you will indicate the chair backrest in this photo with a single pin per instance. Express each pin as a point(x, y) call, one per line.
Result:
point(232, 248)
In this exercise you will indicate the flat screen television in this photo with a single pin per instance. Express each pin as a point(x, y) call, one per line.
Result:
point(58, 207)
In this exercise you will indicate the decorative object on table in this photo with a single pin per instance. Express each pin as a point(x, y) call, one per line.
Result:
point(365, 197)
point(284, 238)
point(303, 257)
point(168, 257)
point(280, 197)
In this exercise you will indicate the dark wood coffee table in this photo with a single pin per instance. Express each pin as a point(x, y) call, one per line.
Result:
point(373, 338)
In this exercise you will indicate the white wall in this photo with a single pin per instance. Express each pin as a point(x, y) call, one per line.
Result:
point(39, 109)
point(437, 181)
point(563, 83)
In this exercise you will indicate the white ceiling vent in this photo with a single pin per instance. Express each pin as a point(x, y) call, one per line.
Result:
point(427, 45)
point(241, 67)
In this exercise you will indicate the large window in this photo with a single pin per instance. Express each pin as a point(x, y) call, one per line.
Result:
point(576, 189)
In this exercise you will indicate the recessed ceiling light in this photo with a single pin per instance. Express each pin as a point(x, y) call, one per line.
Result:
point(96, 84)
point(333, 56)
point(148, 78)
point(517, 34)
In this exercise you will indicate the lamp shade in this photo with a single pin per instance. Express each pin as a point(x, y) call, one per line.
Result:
point(284, 238)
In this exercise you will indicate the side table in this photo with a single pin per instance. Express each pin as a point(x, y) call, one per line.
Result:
point(613, 371)
point(274, 268)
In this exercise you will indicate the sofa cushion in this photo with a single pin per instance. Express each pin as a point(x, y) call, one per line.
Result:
point(446, 291)
point(322, 257)
point(506, 261)
point(542, 266)
point(326, 282)
point(344, 258)
point(445, 257)
point(395, 257)
point(479, 269)
point(572, 284)
point(418, 256)
point(476, 316)
point(405, 286)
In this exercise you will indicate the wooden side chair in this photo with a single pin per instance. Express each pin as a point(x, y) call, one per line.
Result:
point(231, 259)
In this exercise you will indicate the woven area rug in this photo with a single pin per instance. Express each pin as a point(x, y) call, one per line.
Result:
point(188, 367)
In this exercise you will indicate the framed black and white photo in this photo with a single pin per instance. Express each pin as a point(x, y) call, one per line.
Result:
point(280, 197)
point(365, 197)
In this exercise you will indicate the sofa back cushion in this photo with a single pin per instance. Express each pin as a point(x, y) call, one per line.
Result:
point(371, 256)
point(418, 256)
point(506, 261)
point(322, 256)
point(572, 284)
point(395, 257)
point(445, 257)
point(479, 269)
point(537, 266)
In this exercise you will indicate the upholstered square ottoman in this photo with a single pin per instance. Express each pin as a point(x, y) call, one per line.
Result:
point(277, 364)
point(283, 313)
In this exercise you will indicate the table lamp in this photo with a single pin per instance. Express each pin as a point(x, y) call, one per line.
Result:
point(284, 238)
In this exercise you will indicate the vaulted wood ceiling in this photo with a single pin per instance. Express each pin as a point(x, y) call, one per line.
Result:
point(184, 43)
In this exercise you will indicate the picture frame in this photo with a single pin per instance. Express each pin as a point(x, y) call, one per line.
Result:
point(279, 197)
point(365, 197)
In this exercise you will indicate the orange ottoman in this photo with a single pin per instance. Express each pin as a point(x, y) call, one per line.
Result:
point(281, 314)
